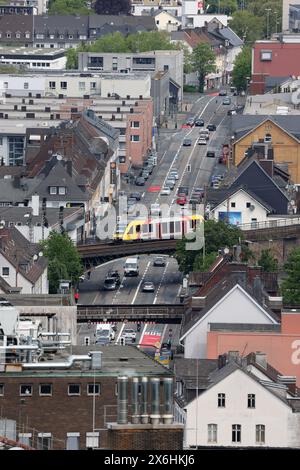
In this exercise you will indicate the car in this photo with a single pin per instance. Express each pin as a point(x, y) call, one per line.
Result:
point(194, 201)
point(115, 275)
point(231, 112)
point(199, 191)
point(110, 283)
point(155, 210)
point(199, 123)
point(222, 93)
point(81, 278)
point(145, 174)
point(165, 191)
point(190, 122)
point(129, 335)
point(210, 154)
point(183, 190)
point(187, 142)
point(140, 181)
point(148, 287)
point(170, 183)
point(226, 101)
point(159, 261)
point(204, 134)
point(131, 201)
point(135, 196)
point(201, 141)
point(173, 175)
point(148, 168)
point(181, 199)
point(211, 127)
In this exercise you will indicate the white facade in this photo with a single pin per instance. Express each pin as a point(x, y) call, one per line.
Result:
point(281, 424)
point(285, 13)
point(193, 16)
point(36, 61)
point(16, 279)
point(140, 10)
point(235, 307)
point(167, 22)
point(251, 211)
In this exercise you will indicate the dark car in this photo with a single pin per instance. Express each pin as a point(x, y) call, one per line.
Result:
point(222, 93)
point(135, 196)
point(199, 123)
point(114, 275)
point(210, 154)
point(211, 127)
point(159, 261)
point(140, 181)
point(187, 142)
point(183, 190)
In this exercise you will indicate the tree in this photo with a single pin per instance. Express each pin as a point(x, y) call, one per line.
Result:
point(203, 265)
point(68, 7)
point(226, 7)
point(247, 26)
point(63, 260)
point(290, 287)
point(217, 235)
point(114, 42)
point(242, 69)
point(113, 7)
point(72, 58)
point(203, 61)
point(268, 262)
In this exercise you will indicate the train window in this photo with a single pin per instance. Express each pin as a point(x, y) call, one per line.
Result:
point(130, 231)
point(172, 226)
point(145, 228)
point(150, 228)
point(177, 226)
point(138, 229)
point(164, 227)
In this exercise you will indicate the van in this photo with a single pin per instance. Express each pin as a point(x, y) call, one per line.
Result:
point(131, 267)
point(104, 333)
point(204, 134)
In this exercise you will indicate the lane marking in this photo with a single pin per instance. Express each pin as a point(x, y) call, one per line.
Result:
point(121, 331)
point(140, 283)
point(143, 333)
point(160, 284)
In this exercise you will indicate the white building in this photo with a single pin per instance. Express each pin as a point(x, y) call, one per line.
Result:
point(34, 59)
point(229, 305)
point(242, 409)
point(149, 7)
point(193, 15)
point(165, 21)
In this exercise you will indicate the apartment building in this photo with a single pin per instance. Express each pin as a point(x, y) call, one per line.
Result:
point(148, 7)
point(32, 58)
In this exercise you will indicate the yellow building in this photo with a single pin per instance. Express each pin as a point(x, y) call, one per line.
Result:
point(285, 143)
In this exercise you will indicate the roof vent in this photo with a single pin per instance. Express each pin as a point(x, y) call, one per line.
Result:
point(123, 359)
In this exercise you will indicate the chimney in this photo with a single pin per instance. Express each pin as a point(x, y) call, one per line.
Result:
point(135, 401)
point(35, 204)
point(122, 400)
point(69, 167)
point(144, 399)
point(96, 362)
point(168, 400)
point(258, 289)
point(261, 359)
point(290, 382)
point(233, 356)
point(155, 402)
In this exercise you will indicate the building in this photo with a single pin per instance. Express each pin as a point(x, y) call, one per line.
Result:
point(33, 59)
point(72, 403)
point(60, 31)
point(165, 21)
point(150, 7)
point(22, 263)
point(278, 130)
point(100, 25)
point(245, 403)
point(288, 18)
point(193, 15)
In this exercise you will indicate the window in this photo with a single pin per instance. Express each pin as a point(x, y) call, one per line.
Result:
point(70, 36)
point(236, 433)
point(92, 85)
point(251, 400)
point(62, 190)
point(135, 138)
point(51, 36)
point(46, 389)
point(44, 441)
point(260, 432)
point(15, 150)
point(26, 85)
point(8, 35)
point(122, 159)
point(92, 440)
point(248, 204)
point(212, 432)
point(27, 35)
point(135, 124)
point(265, 55)
point(39, 36)
point(1, 141)
point(1, 390)
point(25, 390)
point(25, 438)
point(74, 389)
point(18, 35)
point(81, 85)
point(5, 85)
point(93, 389)
point(221, 400)
point(53, 190)
point(63, 85)
point(82, 36)
point(73, 440)
point(268, 138)
point(52, 85)
point(232, 204)
point(5, 271)
point(61, 36)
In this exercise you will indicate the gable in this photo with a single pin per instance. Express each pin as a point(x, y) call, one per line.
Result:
point(240, 193)
point(279, 134)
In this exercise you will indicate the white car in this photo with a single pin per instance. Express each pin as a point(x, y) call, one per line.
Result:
point(155, 209)
point(173, 174)
point(202, 141)
point(165, 191)
point(129, 335)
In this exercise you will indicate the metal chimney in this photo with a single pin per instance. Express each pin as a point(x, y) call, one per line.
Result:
point(155, 415)
point(144, 404)
point(122, 400)
point(135, 401)
point(168, 400)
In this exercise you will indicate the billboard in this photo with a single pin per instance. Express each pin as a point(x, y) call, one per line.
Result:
point(233, 218)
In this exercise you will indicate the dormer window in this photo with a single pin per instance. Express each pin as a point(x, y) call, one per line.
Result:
point(18, 35)
point(8, 35)
point(62, 190)
point(40, 36)
point(53, 190)
point(27, 35)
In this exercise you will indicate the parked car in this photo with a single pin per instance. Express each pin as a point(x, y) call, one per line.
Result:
point(170, 183)
point(199, 123)
point(190, 122)
point(199, 191)
point(226, 101)
point(135, 196)
point(165, 191)
point(155, 209)
point(211, 127)
point(210, 154)
point(140, 181)
point(159, 261)
point(187, 142)
point(145, 174)
point(129, 334)
point(131, 201)
point(222, 93)
point(148, 287)
point(201, 141)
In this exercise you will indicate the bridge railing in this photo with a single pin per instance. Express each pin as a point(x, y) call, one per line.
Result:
point(276, 223)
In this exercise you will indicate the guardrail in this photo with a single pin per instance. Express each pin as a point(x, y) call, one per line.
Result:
point(269, 224)
point(157, 312)
point(102, 250)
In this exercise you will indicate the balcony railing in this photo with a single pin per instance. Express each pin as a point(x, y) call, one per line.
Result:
point(288, 221)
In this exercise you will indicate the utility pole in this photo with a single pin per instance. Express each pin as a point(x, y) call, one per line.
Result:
point(268, 20)
point(275, 12)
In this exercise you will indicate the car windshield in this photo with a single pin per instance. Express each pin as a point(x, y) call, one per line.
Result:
point(103, 333)
point(109, 281)
point(128, 331)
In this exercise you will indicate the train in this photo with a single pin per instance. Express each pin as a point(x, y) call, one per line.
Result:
point(157, 228)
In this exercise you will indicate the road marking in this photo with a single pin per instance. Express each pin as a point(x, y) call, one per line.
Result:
point(143, 194)
point(159, 286)
point(143, 333)
point(121, 331)
point(138, 287)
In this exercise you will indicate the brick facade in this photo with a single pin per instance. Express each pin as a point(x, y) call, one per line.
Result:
point(145, 437)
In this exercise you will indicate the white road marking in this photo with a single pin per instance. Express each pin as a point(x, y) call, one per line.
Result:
point(140, 283)
point(121, 331)
point(143, 333)
point(159, 286)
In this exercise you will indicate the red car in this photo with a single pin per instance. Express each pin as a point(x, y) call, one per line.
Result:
point(181, 199)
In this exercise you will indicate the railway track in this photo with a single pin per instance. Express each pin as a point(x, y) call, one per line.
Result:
point(111, 250)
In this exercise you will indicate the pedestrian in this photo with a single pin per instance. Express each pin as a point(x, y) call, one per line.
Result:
point(89, 274)
point(76, 297)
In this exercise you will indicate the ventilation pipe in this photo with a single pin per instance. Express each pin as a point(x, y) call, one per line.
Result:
point(122, 400)
point(56, 365)
point(155, 415)
point(135, 401)
point(144, 410)
point(168, 400)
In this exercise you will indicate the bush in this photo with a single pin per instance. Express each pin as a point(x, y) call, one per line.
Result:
point(190, 89)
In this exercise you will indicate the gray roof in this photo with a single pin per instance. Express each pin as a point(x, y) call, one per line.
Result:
point(16, 214)
point(61, 23)
point(98, 21)
point(242, 124)
point(194, 372)
point(231, 36)
point(234, 189)
point(271, 82)
point(10, 194)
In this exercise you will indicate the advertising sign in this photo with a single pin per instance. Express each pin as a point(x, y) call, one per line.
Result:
point(233, 218)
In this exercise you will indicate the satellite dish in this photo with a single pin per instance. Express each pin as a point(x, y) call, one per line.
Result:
point(226, 251)
point(35, 257)
point(58, 157)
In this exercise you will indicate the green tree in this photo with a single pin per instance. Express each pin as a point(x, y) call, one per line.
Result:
point(203, 61)
point(63, 260)
point(114, 42)
point(247, 26)
point(72, 58)
point(226, 7)
point(217, 235)
point(290, 287)
point(268, 262)
point(68, 7)
point(242, 69)
point(203, 265)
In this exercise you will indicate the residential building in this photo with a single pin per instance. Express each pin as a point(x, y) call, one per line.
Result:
point(33, 59)
point(100, 25)
point(193, 15)
point(22, 264)
point(17, 8)
point(288, 9)
point(294, 18)
point(282, 132)
point(60, 31)
point(242, 403)
point(150, 7)
point(165, 21)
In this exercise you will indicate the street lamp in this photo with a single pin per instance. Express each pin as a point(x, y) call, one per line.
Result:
point(268, 10)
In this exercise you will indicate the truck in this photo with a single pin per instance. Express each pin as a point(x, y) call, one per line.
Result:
point(131, 267)
point(104, 333)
